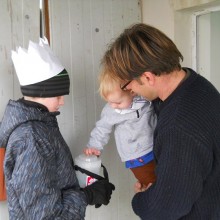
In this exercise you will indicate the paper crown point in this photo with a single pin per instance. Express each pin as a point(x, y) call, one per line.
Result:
point(36, 64)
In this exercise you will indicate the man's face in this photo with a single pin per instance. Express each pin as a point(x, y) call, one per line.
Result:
point(142, 87)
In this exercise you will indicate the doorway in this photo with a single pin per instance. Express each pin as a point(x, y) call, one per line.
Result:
point(207, 44)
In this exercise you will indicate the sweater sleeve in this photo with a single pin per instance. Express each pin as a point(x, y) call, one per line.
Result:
point(100, 134)
point(183, 164)
point(32, 181)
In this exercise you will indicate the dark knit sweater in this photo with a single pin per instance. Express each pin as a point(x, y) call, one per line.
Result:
point(187, 153)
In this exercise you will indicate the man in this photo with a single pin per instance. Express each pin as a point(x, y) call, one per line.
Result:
point(187, 136)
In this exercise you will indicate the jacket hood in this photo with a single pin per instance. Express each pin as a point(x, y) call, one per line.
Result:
point(17, 113)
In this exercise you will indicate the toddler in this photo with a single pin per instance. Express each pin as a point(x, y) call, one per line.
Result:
point(133, 120)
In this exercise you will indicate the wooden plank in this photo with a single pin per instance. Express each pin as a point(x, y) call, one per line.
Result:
point(19, 23)
point(60, 44)
point(24, 27)
point(78, 37)
point(6, 74)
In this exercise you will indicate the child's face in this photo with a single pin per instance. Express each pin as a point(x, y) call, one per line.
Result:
point(120, 99)
point(53, 103)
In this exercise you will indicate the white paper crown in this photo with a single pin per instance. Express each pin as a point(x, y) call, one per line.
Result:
point(36, 64)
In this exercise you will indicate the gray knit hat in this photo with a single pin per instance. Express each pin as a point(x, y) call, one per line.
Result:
point(56, 86)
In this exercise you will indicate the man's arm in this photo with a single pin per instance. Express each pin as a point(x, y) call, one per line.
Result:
point(180, 174)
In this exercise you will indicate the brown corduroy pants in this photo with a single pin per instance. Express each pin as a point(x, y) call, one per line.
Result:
point(145, 174)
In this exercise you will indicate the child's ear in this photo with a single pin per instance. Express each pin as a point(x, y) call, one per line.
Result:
point(148, 77)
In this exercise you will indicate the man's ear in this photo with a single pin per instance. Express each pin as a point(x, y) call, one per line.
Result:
point(148, 77)
point(133, 93)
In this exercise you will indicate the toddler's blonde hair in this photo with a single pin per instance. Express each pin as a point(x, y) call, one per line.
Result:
point(108, 84)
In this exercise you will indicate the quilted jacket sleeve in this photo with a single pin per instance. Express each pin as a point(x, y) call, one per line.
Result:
point(41, 181)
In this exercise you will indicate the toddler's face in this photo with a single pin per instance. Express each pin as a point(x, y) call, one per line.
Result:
point(120, 99)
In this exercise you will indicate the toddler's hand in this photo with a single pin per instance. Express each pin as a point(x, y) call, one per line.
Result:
point(138, 187)
point(92, 151)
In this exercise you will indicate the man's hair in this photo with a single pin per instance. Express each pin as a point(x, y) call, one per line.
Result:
point(141, 48)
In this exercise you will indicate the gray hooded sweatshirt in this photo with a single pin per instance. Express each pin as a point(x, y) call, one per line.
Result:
point(133, 130)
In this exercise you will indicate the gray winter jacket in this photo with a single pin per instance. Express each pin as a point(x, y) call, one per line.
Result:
point(40, 177)
point(133, 131)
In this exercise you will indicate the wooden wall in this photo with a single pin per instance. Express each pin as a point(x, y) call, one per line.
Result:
point(80, 32)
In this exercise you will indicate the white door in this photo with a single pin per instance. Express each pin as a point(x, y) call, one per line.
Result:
point(207, 44)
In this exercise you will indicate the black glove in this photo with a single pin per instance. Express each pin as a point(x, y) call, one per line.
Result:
point(99, 192)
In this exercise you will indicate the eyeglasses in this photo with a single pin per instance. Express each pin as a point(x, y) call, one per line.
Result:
point(123, 87)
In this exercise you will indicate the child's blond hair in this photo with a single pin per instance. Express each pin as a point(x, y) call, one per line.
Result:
point(107, 84)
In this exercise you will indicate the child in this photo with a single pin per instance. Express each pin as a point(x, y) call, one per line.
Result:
point(133, 121)
point(39, 171)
